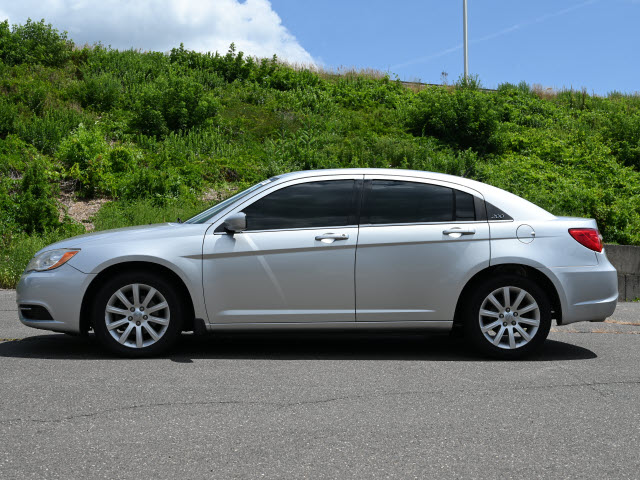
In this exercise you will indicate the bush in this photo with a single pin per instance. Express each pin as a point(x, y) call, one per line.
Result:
point(100, 92)
point(34, 43)
point(464, 117)
point(46, 132)
point(37, 209)
point(176, 104)
point(84, 156)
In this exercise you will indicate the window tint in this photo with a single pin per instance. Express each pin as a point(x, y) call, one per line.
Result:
point(392, 201)
point(465, 207)
point(306, 205)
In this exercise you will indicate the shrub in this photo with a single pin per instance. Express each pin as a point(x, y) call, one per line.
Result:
point(100, 92)
point(465, 117)
point(46, 132)
point(8, 114)
point(36, 204)
point(84, 154)
point(176, 104)
point(34, 43)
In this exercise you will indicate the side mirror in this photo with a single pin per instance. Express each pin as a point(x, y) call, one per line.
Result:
point(235, 223)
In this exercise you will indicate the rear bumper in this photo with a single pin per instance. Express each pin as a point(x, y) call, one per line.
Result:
point(587, 294)
point(59, 291)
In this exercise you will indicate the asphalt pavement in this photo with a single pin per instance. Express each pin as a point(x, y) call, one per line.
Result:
point(321, 406)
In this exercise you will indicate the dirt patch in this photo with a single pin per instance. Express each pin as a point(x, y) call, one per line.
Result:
point(81, 210)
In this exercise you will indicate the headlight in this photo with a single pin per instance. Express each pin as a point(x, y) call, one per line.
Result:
point(50, 259)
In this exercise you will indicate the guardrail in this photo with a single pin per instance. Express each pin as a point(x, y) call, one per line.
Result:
point(419, 85)
point(626, 259)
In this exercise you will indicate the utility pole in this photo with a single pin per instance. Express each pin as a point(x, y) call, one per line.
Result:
point(464, 40)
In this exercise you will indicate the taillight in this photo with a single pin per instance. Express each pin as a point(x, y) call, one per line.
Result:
point(589, 237)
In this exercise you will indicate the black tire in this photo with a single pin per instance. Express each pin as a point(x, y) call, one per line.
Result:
point(511, 320)
point(173, 314)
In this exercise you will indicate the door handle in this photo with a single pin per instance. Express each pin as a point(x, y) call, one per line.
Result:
point(459, 231)
point(331, 237)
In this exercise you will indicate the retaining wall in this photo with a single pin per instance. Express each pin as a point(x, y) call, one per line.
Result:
point(626, 259)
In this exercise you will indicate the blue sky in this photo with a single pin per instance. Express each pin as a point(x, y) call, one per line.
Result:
point(559, 44)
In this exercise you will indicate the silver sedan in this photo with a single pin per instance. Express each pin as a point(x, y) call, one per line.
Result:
point(331, 249)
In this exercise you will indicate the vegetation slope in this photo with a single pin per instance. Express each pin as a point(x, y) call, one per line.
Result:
point(155, 132)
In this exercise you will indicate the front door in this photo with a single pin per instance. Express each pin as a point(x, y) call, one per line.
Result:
point(294, 263)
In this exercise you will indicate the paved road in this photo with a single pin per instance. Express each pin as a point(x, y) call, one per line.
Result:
point(317, 406)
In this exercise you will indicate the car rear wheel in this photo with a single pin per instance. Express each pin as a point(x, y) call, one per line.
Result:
point(137, 314)
point(508, 317)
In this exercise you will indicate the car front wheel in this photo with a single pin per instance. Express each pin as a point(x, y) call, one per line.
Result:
point(508, 317)
point(137, 314)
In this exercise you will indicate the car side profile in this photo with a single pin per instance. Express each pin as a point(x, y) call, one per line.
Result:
point(331, 249)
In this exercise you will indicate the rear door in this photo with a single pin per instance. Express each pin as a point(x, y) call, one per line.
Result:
point(420, 241)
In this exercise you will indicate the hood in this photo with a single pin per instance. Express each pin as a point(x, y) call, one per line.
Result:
point(129, 234)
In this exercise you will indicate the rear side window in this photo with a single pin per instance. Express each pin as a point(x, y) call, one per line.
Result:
point(305, 205)
point(392, 201)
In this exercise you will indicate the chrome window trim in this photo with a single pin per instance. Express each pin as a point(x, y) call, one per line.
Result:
point(287, 229)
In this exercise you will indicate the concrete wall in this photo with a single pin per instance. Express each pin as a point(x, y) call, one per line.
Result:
point(626, 259)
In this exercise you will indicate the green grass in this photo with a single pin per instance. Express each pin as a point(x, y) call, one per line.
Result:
point(143, 212)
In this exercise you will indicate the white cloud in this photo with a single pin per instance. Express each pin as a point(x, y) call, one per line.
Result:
point(203, 25)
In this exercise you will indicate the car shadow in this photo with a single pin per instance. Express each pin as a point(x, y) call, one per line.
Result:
point(287, 346)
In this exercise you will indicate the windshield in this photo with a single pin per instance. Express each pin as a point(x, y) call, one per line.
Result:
point(204, 217)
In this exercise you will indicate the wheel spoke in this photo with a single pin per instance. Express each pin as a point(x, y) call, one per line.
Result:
point(151, 331)
point(130, 302)
point(125, 335)
point(528, 308)
point(512, 338)
point(529, 321)
point(117, 324)
point(498, 337)
point(117, 311)
point(147, 299)
point(159, 321)
point(523, 332)
point(123, 299)
point(491, 326)
point(495, 302)
point(507, 297)
point(519, 299)
point(157, 307)
point(489, 313)
point(138, 336)
point(136, 294)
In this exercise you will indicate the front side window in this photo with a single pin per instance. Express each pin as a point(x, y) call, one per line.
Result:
point(393, 202)
point(305, 205)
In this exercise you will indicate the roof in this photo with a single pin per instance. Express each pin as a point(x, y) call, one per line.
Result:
point(517, 207)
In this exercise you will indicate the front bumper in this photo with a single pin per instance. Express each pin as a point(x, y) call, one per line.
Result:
point(60, 291)
point(587, 294)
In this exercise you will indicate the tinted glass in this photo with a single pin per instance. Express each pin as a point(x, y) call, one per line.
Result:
point(306, 205)
point(465, 208)
point(391, 201)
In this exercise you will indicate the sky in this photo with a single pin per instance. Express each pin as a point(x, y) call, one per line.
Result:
point(592, 44)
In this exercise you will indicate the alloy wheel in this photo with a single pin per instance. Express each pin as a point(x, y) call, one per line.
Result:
point(509, 317)
point(137, 315)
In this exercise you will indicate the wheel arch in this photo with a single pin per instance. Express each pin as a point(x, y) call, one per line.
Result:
point(511, 268)
point(112, 270)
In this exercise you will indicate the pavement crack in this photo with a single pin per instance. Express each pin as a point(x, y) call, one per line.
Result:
point(320, 401)
point(134, 407)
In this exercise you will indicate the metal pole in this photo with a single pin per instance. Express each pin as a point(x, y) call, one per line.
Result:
point(466, 48)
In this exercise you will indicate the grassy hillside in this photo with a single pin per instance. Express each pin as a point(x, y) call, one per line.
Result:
point(157, 133)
